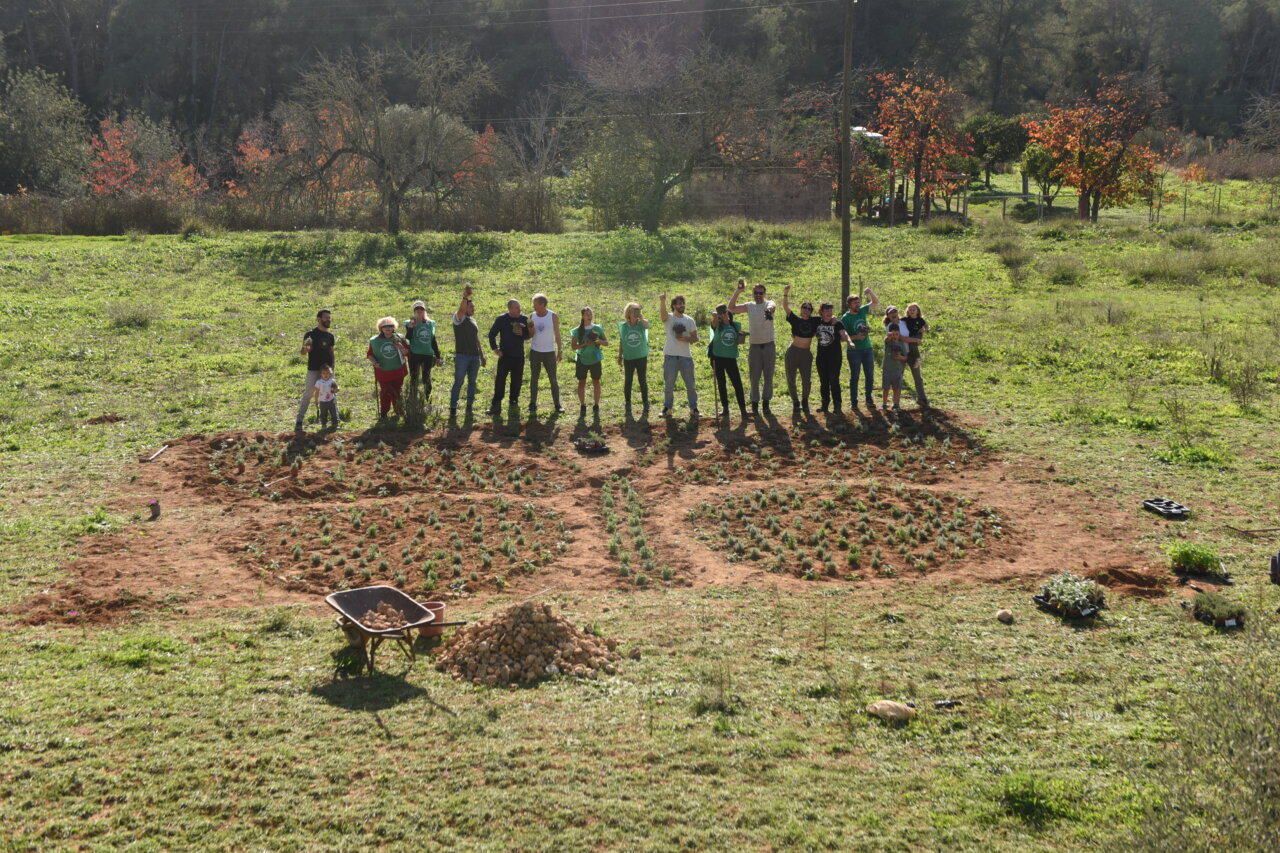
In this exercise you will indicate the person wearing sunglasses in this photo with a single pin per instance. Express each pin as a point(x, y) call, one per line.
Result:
point(389, 354)
point(762, 354)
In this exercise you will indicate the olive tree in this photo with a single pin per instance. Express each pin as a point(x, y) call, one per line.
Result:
point(342, 113)
point(653, 117)
point(44, 142)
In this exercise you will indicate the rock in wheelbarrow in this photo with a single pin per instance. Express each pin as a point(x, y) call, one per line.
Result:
point(894, 712)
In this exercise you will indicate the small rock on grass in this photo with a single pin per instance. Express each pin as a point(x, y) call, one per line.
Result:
point(1005, 616)
point(886, 709)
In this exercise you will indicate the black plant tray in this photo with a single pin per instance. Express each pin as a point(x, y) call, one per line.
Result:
point(1166, 508)
point(1049, 607)
point(1234, 622)
point(586, 445)
point(1221, 577)
point(1275, 569)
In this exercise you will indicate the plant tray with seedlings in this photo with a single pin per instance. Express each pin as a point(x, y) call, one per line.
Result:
point(590, 445)
point(1068, 594)
point(919, 455)
point(839, 529)
point(1190, 558)
point(1214, 609)
point(273, 467)
point(1166, 508)
point(422, 545)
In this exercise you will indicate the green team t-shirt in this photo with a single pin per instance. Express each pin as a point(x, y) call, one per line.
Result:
point(851, 323)
point(386, 353)
point(588, 354)
point(421, 338)
point(633, 341)
point(724, 340)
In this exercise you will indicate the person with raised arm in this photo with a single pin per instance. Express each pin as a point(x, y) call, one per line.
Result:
point(677, 357)
point(633, 354)
point(861, 354)
point(507, 337)
point(799, 357)
point(762, 353)
point(468, 355)
point(544, 352)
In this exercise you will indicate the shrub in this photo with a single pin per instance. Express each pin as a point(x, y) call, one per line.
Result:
point(1064, 270)
point(1014, 257)
point(1188, 240)
point(1195, 558)
point(1194, 455)
point(1219, 782)
point(131, 314)
point(1035, 801)
point(943, 226)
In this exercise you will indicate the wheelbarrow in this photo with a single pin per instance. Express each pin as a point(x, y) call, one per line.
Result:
point(352, 604)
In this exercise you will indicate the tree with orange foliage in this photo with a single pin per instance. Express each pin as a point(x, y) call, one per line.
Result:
point(133, 158)
point(1096, 143)
point(918, 112)
point(810, 130)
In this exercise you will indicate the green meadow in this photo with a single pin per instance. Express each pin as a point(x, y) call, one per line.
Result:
point(1135, 358)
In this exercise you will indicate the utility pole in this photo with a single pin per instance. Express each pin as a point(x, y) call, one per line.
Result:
point(846, 153)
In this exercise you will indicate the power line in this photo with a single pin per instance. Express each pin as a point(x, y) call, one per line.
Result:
point(401, 24)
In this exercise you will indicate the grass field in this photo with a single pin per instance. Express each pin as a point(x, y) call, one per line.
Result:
point(1128, 360)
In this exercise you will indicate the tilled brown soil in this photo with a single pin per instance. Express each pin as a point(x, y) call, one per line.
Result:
point(255, 518)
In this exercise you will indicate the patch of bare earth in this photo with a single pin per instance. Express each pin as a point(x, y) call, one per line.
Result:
point(252, 518)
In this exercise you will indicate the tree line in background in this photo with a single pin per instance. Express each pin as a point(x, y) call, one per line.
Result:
point(391, 113)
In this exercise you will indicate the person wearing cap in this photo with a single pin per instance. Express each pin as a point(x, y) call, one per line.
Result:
point(726, 334)
point(389, 354)
point(468, 355)
point(507, 337)
point(317, 346)
point(424, 346)
point(762, 353)
point(861, 355)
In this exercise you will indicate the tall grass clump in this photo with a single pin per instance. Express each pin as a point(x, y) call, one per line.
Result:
point(131, 314)
point(1218, 789)
point(1064, 270)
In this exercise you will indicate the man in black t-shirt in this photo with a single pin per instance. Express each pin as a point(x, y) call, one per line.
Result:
point(507, 338)
point(317, 346)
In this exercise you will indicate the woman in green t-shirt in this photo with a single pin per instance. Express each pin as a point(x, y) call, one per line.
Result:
point(726, 334)
point(633, 354)
point(388, 353)
point(587, 340)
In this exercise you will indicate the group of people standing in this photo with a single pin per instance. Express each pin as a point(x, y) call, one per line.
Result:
point(815, 338)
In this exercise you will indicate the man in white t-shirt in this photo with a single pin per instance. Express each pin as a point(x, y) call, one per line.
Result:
point(544, 351)
point(677, 357)
point(762, 355)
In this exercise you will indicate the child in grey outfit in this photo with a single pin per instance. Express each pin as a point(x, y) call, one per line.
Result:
point(895, 359)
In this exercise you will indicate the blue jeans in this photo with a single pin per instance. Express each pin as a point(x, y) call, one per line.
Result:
point(467, 366)
point(683, 366)
point(866, 359)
